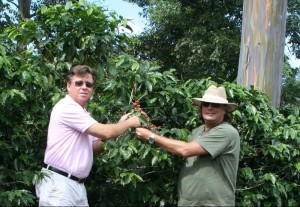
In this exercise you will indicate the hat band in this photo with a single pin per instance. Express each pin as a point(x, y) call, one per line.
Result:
point(214, 99)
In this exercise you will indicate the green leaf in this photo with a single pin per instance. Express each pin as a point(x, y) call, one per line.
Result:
point(13, 34)
point(26, 77)
point(149, 86)
point(247, 172)
point(68, 5)
point(120, 62)
point(90, 11)
point(252, 109)
point(297, 165)
point(135, 66)
point(44, 9)
point(125, 153)
point(154, 160)
point(146, 152)
point(3, 98)
point(271, 177)
point(112, 71)
point(292, 133)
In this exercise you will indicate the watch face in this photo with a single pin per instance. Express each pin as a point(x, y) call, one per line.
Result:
point(151, 139)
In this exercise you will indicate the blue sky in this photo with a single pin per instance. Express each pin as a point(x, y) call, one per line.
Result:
point(128, 11)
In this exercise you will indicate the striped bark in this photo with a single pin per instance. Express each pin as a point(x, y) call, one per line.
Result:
point(262, 46)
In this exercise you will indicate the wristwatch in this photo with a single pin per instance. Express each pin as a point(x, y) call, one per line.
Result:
point(151, 138)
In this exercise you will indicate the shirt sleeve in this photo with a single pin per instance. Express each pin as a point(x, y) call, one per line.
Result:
point(77, 118)
point(216, 141)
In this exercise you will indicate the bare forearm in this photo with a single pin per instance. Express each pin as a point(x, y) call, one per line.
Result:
point(171, 145)
point(114, 130)
point(111, 131)
point(181, 148)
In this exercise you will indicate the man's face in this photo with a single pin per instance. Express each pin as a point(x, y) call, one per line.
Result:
point(81, 88)
point(213, 113)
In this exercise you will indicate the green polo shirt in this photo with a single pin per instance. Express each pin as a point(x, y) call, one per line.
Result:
point(210, 180)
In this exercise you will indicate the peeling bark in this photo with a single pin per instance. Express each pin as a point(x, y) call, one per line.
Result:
point(262, 46)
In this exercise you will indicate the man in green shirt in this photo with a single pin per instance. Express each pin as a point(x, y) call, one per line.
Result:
point(208, 177)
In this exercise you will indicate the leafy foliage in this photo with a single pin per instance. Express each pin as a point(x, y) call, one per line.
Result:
point(75, 33)
point(292, 26)
point(139, 173)
point(8, 16)
point(199, 39)
point(291, 86)
point(34, 58)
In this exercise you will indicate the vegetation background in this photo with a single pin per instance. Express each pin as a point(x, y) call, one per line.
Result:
point(188, 46)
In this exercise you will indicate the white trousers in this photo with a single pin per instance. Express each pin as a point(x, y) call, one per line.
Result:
point(57, 190)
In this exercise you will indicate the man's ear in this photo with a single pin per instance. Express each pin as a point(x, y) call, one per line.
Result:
point(68, 86)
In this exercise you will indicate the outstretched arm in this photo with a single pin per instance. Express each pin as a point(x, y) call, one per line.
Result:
point(181, 148)
point(111, 131)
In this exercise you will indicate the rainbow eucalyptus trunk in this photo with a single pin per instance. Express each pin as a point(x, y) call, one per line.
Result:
point(262, 46)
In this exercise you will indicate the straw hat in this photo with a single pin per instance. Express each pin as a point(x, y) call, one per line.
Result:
point(215, 95)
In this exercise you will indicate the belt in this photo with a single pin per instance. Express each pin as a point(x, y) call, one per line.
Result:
point(63, 173)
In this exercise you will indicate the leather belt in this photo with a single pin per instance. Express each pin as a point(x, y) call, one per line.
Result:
point(63, 173)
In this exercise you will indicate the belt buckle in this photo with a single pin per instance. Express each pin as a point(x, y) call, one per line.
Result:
point(81, 180)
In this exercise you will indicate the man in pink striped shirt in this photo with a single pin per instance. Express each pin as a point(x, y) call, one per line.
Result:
point(73, 137)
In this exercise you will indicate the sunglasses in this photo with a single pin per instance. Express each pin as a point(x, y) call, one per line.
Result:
point(214, 105)
point(87, 84)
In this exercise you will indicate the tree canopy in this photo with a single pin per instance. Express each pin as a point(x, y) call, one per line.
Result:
point(201, 38)
point(197, 38)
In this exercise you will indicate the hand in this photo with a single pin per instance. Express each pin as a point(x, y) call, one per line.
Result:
point(144, 119)
point(125, 117)
point(143, 133)
point(145, 115)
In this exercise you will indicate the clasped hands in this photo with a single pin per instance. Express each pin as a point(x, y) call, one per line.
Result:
point(141, 132)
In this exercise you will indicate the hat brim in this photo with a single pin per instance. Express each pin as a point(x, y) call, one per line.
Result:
point(230, 106)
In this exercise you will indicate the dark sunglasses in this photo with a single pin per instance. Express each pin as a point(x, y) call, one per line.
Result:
point(87, 84)
point(215, 105)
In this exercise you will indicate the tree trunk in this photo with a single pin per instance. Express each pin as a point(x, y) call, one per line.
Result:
point(24, 8)
point(262, 46)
